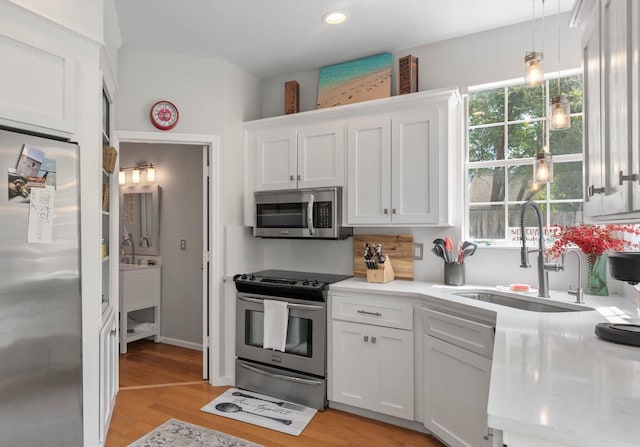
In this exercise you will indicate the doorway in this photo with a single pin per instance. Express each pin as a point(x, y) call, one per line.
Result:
point(188, 227)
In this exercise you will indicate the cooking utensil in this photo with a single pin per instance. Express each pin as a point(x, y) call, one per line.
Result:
point(287, 405)
point(438, 250)
point(469, 248)
point(441, 244)
point(230, 407)
point(448, 244)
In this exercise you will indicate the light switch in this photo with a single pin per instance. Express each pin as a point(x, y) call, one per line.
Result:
point(183, 244)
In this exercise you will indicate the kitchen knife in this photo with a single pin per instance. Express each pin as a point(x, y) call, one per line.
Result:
point(381, 258)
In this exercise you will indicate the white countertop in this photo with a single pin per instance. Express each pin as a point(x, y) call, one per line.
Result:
point(551, 377)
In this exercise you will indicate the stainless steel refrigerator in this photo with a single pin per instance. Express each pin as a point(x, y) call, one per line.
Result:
point(40, 301)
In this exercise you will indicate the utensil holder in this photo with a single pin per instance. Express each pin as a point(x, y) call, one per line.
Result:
point(453, 274)
point(384, 272)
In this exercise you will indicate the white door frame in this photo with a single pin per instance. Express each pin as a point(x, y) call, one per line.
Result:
point(215, 293)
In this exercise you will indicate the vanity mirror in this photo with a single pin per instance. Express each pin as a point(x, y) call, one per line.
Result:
point(140, 218)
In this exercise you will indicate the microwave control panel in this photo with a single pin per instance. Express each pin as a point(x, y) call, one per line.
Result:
point(322, 215)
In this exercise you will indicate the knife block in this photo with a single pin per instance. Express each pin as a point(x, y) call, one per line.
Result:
point(384, 272)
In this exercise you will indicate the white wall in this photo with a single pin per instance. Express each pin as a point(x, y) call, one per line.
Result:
point(179, 175)
point(479, 58)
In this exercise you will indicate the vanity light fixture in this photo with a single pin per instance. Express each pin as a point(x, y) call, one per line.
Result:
point(334, 18)
point(533, 69)
point(136, 173)
point(559, 112)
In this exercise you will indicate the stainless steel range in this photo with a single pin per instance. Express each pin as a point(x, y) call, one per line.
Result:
point(299, 373)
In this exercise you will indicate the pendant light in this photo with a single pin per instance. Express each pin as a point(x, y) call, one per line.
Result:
point(543, 164)
point(559, 109)
point(533, 68)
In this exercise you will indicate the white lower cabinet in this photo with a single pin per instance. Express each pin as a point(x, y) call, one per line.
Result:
point(372, 354)
point(373, 368)
point(456, 374)
point(108, 373)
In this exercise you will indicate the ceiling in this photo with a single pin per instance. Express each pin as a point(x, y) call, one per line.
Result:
point(269, 38)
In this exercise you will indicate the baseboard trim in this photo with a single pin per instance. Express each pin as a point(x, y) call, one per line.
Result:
point(181, 343)
point(411, 425)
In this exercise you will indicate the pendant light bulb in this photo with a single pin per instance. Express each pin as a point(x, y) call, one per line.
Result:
point(543, 168)
point(560, 113)
point(534, 72)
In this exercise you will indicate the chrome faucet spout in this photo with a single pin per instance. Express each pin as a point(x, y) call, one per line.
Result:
point(543, 274)
point(579, 293)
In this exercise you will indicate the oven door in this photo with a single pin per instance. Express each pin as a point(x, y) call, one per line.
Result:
point(305, 348)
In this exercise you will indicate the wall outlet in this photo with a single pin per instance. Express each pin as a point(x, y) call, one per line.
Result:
point(418, 250)
point(183, 244)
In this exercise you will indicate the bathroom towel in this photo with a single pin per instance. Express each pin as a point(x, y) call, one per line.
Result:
point(276, 318)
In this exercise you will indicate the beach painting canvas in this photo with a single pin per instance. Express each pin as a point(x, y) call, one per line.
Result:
point(355, 81)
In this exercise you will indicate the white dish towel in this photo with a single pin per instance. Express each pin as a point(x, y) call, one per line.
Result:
point(276, 318)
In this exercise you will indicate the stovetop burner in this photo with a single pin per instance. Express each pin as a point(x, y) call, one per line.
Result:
point(291, 284)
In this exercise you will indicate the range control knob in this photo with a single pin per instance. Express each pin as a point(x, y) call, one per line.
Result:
point(252, 277)
point(244, 276)
point(315, 283)
point(305, 282)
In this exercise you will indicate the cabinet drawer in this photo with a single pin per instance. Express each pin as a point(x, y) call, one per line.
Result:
point(373, 310)
point(467, 334)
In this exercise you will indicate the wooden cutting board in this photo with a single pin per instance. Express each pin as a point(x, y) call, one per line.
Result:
point(399, 248)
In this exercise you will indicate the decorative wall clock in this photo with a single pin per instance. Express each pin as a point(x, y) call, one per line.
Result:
point(164, 115)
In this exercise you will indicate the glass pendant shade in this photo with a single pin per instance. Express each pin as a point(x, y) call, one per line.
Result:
point(560, 113)
point(151, 173)
point(533, 69)
point(135, 175)
point(543, 168)
point(122, 178)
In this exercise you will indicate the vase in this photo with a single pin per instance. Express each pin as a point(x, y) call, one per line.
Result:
point(597, 275)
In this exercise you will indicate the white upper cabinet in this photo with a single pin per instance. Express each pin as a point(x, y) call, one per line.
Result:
point(611, 91)
point(398, 168)
point(400, 154)
point(306, 157)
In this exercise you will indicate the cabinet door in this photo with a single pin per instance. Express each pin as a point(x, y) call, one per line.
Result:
point(369, 171)
point(617, 101)
point(108, 374)
point(592, 83)
point(456, 384)
point(321, 156)
point(276, 160)
point(635, 93)
point(415, 166)
point(373, 368)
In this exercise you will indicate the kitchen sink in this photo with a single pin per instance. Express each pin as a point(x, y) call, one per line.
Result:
point(521, 302)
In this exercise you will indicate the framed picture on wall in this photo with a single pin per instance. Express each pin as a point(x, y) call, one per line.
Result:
point(355, 81)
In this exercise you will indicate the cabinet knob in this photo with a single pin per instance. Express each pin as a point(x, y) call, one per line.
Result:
point(366, 338)
point(386, 211)
point(393, 211)
point(593, 190)
point(291, 177)
point(373, 339)
point(299, 177)
point(628, 178)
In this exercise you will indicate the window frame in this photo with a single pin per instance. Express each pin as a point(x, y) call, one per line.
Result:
point(516, 162)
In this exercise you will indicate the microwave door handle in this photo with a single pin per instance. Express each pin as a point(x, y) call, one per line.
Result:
point(310, 215)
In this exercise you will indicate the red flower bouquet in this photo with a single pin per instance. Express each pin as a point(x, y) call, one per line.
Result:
point(593, 240)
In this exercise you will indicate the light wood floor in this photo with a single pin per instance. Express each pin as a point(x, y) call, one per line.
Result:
point(159, 382)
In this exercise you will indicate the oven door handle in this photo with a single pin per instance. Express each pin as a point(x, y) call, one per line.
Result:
point(280, 376)
point(292, 305)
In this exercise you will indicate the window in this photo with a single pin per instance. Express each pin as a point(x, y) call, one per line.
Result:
point(506, 125)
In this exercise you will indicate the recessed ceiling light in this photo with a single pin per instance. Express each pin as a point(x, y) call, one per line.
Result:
point(334, 18)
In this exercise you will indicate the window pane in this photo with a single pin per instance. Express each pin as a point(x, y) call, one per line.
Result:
point(530, 219)
point(486, 185)
point(567, 141)
point(520, 183)
point(572, 87)
point(486, 143)
point(486, 107)
point(526, 102)
point(566, 213)
point(486, 222)
point(525, 139)
point(567, 181)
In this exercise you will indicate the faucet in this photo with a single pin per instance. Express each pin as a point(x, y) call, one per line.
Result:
point(144, 242)
point(129, 241)
point(543, 267)
point(578, 292)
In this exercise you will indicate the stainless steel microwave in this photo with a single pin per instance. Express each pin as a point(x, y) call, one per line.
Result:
point(300, 213)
